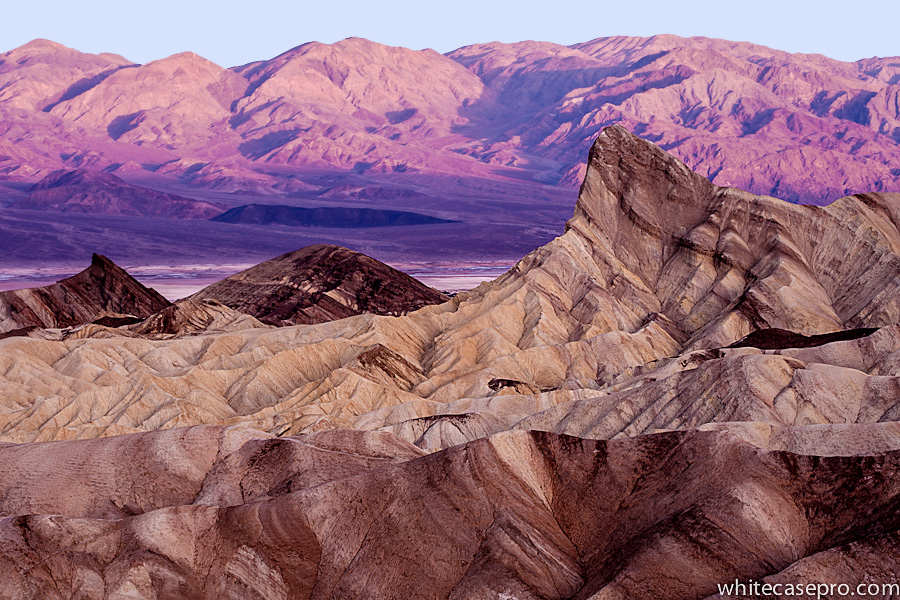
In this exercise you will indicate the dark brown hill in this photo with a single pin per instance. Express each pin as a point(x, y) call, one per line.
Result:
point(102, 287)
point(320, 283)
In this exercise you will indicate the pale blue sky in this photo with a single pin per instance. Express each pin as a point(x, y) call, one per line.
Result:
point(229, 32)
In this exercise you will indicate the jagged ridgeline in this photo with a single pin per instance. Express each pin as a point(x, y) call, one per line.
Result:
point(102, 287)
point(595, 424)
point(315, 284)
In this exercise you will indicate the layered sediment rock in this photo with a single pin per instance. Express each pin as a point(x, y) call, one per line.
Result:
point(619, 326)
point(318, 284)
point(102, 287)
point(211, 512)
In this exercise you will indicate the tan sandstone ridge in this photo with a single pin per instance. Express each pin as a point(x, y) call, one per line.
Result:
point(633, 306)
point(591, 425)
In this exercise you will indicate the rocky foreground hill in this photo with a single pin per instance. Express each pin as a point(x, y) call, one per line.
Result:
point(596, 423)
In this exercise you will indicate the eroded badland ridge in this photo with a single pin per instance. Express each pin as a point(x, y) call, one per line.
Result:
point(101, 289)
point(315, 284)
point(583, 427)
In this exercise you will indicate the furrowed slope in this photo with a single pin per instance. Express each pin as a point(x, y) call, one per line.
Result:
point(210, 512)
point(628, 314)
point(318, 284)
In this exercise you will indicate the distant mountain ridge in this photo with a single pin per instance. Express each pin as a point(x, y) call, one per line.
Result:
point(800, 127)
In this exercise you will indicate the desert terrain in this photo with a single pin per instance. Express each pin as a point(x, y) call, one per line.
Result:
point(690, 385)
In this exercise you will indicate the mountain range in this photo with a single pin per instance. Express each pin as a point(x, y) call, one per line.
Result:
point(490, 135)
point(525, 110)
point(690, 383)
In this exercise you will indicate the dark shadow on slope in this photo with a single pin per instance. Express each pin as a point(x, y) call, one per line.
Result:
point(123, 124)
point(83, 85)
point(781, 339)
point(326, 216)
point(20, 332)
point(256, 148)
point(857, 109)
point(512, 101)
point(396, 117)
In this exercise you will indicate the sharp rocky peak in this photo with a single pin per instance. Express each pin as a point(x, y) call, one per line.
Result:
point(721, 262)
point(627, 174)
